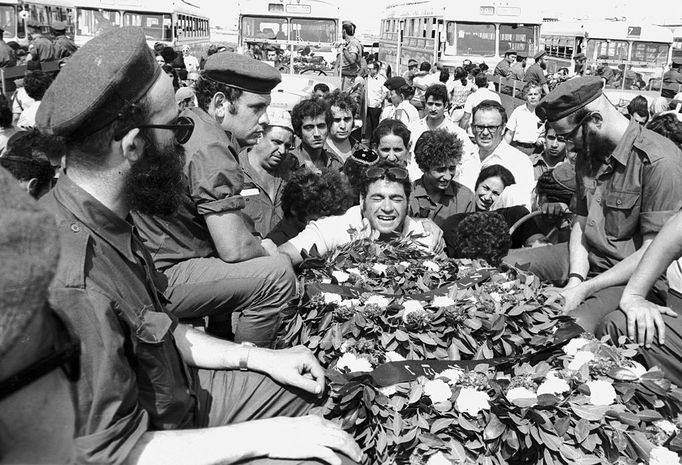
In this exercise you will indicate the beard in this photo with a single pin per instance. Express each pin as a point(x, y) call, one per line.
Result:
point(543, 65)
point(595, 151)
point(156, 182)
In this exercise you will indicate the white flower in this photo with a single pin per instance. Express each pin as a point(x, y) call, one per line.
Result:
point(392, 356)
point(438, 458)
point(580, 359)
point(344, 347)
point(574, 345)
point(472, 401)
point(348, 303)
point(341, 277)
point(663, 456)
point(521, 393)
point(379, 268)
point(431, 266)
point(601, 393)
point(636, 368)
point(404, 264)
point(355, 271)
point(353, 363)
point(495, 296)
point(379, 300)
point(437, 390)
point(388, 391)
point(452, 374)
point(667, 426)
point(508, 285)
point(411, 306)
point(331, 298)
point(442, 301)
point(553, 385)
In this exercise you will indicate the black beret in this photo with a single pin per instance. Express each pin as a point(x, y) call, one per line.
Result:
point(100, 81)
point(59, 26)
point(395, 83)
point(569, 97)
point(241, 72)
point(677, 61)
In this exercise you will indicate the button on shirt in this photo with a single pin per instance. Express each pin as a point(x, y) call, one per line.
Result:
point(327, 160)
point(214, 182)
point(526, 125)
point(456, 199)
point(634, 193)
point(133, 377)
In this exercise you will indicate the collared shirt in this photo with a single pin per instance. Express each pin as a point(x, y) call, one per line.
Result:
point(477, 97)
point(376, 92)
point(526, 125)
point(264, 212)
point(535, 74)
point(634, 193)
point(405, 112)
point(328, 159)
point(64, 47)
point(43, 49)
point(334, 231)
point(351, 68)
point(503, 69)
point(214, 182)
point(540, 165)
point(133, 377)
point(456, 199)
point(515, 161)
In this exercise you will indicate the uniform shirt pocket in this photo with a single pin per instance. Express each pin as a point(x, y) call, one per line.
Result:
point(621, 214)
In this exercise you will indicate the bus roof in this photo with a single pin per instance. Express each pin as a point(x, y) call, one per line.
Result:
point(295, 8)
point(515, 12)
point(160, 6)
point(605, 29)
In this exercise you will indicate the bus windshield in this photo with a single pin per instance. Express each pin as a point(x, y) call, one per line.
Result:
point(8, 20)
point(313, 30)
point(92, 22)
point(518, 38)
point(156, 26)
point(470, 39)
point(652, 53)
point(264, 28)
point(607, 49)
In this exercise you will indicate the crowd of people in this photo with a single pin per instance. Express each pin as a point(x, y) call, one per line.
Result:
point(144, 291)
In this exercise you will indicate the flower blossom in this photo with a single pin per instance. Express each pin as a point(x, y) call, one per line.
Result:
point(521, 393)
point(453, 375)
point(663, 456)
point(472, 401)
point(553, 385)
point(340, 276)
point(392, 356)
point(581, 358)
point(442, 301)
point(574, 345)
point(348, 303)
point(388, 391)
point(601, 393)
point(667, 426)
point(437, 390)
point(378, 300)
point(438, 458)
point(331, 298)
point(431, 266)
point(355, 271)
point(353, 363)
point(379, 268)
point(411, 306)
point(636, 368)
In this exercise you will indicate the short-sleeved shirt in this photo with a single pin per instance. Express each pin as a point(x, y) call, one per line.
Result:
point(503, 69)
point(526, 125)
point(540, 165)
point(214, 182)
point(634, 193)
point(133, 378)
point(535, 74)
point(328, 159)
point(405, 112)
point(64, 47)
point(44, 49)
point(348, 68)
point(263, 212)
point(456, 199)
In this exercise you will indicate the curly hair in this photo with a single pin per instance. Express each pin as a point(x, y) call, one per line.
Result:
point(205, 90)
point(667, 125)
point(391, 126)
point(29, 156)
point(36, 84)
point(438, 92)
point(437, 148)
point(310, 195)
point(483, 235)
point(307, 108)
point(343, 101)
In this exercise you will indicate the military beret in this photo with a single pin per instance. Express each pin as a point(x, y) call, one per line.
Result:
point(100, 82)
point(29, 250)
point(412, 62)
point(510, 52)
point(569, 97)
point(241, 72)
point(564, 174)
point(539, 55)
point(579, 56)
point(677, 61)
point(59, 26)
point(395, 83)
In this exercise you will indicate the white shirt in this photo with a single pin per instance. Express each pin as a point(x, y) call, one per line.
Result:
point(191, 63)
point(375, 91)
point(518, 163)
point(21, 101)
point(477, 97)
point(405, 112)
point(470, 162)
point(526, 125)
point(27, 120)
point(335, 231)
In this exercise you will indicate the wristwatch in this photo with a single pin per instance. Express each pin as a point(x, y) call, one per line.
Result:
point(244, 356)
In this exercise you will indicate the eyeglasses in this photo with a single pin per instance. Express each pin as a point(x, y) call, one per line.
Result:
point(574, 131)
point(395, 172)
point(480, 128)
point(183, 128)
point(66, 355)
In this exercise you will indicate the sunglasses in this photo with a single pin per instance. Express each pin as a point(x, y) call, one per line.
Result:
point(66, 355)
point(183, 128)
point(395, 172)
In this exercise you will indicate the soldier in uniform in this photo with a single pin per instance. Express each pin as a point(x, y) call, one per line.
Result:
point(63, 46)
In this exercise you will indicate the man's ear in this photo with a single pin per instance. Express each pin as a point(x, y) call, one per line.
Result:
point(32, 186)
point(132, 145)
point(215, 108)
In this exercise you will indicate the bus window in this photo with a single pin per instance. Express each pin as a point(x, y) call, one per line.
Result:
point(475, 39)
point(8, 20)
point(155, 26)
point(264, 28)
point(518, 38)
point(613, 49)
point(314, 30)
point(651, 53)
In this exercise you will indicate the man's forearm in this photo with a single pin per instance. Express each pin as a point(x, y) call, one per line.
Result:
point(288, 249)
point(618, 274)
point(204, 351)
point(577, 249)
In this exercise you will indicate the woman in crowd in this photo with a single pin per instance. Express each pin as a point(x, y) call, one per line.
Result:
point(402, 109)
point(391, 141)
point(436, 195)
point(461, 89)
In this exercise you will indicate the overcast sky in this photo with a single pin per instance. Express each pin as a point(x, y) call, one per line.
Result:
point(366, 13)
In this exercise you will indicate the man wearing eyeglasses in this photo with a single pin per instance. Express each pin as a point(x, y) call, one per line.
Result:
point(628, 187)
point(381, 215)
point(154, 390)
point(38, 356)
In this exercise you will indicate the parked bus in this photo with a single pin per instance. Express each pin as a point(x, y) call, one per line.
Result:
point(641, 48)
point(677, 43)
point(14, 15)
point(450, 32)
point(174, 23)
point(275, 30)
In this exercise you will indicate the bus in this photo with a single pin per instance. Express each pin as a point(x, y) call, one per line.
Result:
point(642, 48)
point(14, 15)
point(449, 32)
point(173, 23)
point(677, 43)
point(277, 30)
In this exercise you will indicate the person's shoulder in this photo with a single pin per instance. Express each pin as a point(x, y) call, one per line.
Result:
point(657, 147)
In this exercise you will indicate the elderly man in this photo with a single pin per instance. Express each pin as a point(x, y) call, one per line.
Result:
point(38, 357)
point(628, 187)
point(524, 129)
point(214, 264)
point(153, 390)
point(382, 214)
point(267, 167)
point(535, 73)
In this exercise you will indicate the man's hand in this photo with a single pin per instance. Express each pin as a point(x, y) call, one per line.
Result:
point(432, 229)
point(296, 367)
point(554, 209)
point(644, 319)
point(308, 437)
point(574, 295)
